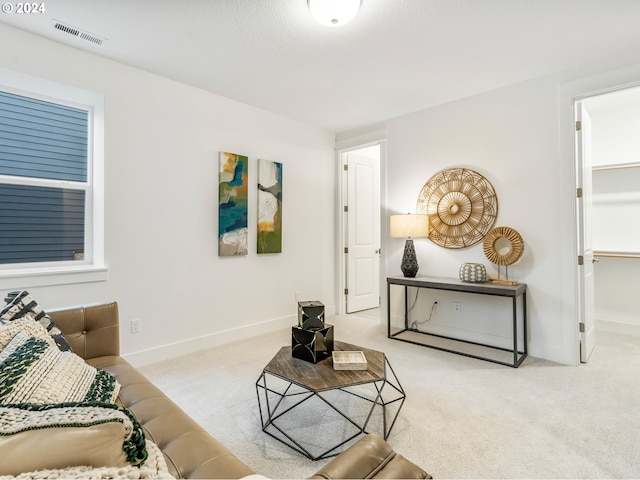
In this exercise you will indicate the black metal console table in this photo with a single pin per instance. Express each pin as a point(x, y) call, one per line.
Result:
point(512, 291)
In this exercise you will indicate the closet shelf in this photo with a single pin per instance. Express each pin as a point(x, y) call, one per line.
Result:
point(615, 166)
point(617, 254)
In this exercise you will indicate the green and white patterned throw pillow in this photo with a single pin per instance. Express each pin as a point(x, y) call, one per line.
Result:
point(23, 305)
point(33, 371)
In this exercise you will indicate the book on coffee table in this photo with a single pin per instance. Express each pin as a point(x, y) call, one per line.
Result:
point(349, 360)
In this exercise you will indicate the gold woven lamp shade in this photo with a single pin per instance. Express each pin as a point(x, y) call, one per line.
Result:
point(409, 226)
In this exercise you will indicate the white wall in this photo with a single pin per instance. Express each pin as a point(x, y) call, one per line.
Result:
point(161, 182)
point(615, 118)
point(510, 136)
point(616, 208)
point(616, 290)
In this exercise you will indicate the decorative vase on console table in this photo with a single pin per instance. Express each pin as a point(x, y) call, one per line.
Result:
point(312, 338)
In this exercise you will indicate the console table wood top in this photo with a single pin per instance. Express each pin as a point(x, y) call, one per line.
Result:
point(455, 285)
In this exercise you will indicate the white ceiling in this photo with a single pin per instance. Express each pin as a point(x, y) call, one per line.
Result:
point(396, 57)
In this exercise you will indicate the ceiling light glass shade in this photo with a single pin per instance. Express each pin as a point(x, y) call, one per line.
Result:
point(334, 13)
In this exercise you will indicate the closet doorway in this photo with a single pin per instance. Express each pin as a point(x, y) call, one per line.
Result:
point(615, 208)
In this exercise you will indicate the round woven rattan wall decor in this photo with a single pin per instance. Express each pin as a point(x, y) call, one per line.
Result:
point(505, 255)
point(462, 207)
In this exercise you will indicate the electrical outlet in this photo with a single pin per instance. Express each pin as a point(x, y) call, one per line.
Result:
point(457, 307)
point(136, 325)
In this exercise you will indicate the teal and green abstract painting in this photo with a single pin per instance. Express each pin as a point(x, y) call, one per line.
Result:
point(269, 207)
point(232, 205)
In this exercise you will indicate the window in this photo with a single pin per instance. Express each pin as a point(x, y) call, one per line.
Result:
point(50, 180)
point(43, 180)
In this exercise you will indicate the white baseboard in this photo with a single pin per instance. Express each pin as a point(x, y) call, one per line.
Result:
point(185, 347)
point(618, 327)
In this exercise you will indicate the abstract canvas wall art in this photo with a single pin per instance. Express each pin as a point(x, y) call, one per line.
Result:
point(232, 205)
point(269, 207)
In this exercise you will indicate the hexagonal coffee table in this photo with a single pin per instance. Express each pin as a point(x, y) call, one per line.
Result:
point(318, 411)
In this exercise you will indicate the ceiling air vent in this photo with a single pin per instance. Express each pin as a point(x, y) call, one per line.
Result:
point(76, 32)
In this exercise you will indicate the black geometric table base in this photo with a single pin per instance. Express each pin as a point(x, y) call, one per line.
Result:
point(321, 423)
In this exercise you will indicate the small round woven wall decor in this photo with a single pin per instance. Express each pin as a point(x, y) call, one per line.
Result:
point(462, 206)
point(506, 254)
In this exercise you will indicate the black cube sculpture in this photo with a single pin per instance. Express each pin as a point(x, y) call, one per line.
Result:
point(311, 339)
point(312, 345)
point(310, 315)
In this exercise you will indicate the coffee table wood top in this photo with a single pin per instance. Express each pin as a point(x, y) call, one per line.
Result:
point(321, 376)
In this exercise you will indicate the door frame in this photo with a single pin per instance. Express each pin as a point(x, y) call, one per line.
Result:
point(341, 230)
point(568, 94)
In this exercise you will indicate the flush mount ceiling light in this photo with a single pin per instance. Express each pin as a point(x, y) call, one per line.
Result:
point(334, 13)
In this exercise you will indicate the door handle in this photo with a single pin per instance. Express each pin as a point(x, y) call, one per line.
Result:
point(378, 251)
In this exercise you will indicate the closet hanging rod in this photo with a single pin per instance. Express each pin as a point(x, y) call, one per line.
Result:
point(616, 167)
point(616, 255)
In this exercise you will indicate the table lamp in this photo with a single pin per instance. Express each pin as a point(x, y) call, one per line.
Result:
point(411, 225)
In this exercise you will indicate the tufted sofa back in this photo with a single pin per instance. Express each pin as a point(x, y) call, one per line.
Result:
point(92, 331)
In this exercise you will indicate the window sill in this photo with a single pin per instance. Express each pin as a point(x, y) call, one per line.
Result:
point(43, 277)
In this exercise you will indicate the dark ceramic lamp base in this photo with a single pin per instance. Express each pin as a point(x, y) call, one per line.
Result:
point(409, 265)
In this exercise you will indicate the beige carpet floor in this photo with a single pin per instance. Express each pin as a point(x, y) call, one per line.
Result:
point(462, 418)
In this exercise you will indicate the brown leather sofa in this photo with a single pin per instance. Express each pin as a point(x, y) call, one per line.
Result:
point(191, 452)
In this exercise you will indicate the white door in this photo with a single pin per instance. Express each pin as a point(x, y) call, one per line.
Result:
point(363, 230)
point(586, 299)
